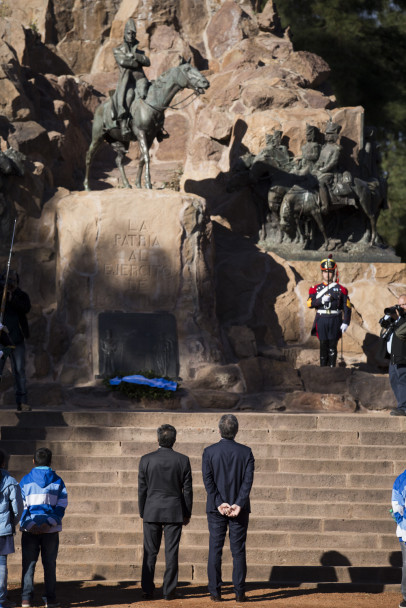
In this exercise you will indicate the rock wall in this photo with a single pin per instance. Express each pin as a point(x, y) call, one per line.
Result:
point(56, 65)
point(258, 83)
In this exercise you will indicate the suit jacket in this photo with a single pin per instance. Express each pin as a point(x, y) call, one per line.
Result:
point(228, 473)
point(165, 486)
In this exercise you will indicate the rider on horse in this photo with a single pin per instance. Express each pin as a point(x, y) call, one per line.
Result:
point(133, 81)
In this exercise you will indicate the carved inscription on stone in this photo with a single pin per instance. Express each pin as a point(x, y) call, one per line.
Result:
point(137, 254)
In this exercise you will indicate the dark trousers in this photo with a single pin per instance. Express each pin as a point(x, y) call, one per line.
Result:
point(328, 353)
point(152, 542)
point(17, 361)
point(31, 546)
point(397, 377)
point(237, 526)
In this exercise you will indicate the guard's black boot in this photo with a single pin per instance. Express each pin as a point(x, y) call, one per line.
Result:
point(332, 355)
point(323, 353)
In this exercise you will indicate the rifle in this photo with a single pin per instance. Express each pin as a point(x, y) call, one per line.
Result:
point(5, 339)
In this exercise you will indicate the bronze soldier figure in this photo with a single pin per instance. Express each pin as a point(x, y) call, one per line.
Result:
point(132, 77)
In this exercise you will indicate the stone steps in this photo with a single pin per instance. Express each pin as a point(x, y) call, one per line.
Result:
point(259, 494)
point(320, 498)
point(198, 523)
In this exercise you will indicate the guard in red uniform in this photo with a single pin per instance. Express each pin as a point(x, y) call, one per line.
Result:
point(333, 311)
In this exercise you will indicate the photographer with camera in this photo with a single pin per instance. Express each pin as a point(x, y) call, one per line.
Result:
point(393, 333)
point(17, 305)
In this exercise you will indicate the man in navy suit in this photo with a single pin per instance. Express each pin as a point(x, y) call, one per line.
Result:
point(228, 473)
point(165, 499)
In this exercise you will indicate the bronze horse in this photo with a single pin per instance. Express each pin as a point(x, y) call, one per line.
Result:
point(300, 203)
point(147, 117)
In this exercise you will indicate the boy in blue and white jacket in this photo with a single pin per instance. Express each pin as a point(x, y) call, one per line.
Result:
point(11, 506)
point(399, 513)
point(45, 500)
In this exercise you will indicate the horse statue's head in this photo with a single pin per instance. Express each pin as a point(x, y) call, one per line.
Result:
point(193, 79)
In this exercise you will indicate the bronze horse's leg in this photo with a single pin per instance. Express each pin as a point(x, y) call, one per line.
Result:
point(366, 200)
point(97, 140)
point(316, 215)
point(139, 173)
point(94, 146)
point(120, 149)
point(144, 160)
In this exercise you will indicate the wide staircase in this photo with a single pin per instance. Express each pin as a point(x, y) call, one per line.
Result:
point(320, 499)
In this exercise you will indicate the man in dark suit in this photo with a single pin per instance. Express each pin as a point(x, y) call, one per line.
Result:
point(228, 473)
point(165, 500)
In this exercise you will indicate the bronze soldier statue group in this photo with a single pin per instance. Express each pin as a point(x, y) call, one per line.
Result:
point(293, 194)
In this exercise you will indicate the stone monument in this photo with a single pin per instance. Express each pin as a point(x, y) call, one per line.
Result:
point(134, 277)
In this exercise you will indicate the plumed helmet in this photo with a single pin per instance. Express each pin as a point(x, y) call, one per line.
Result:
point(328, 263)
point(130, 27)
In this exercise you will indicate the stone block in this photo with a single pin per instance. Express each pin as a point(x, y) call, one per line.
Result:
point(262, 374)
point(304, 450)
point(370, 452)
point(294, 436)
point(325, 379)
point(363, 423)
point(265, 402)
point(372, 391)
point(375, 438)
point(365, 481)
point(341, 540)
point(339, 466)
point(217, 400)
point(319, 402)
point(218, 377)
point(357, 526)
point(340, 495)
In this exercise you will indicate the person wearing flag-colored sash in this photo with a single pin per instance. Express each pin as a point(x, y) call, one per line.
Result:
point(333, 311)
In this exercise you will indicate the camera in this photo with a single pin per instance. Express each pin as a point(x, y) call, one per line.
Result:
point(387, 321)
point(392, 309)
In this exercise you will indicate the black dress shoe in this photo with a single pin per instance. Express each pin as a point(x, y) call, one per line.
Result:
point(147, 596)
point(398, 412)
point(172, 596)
point(215, 598)
point(241, 598)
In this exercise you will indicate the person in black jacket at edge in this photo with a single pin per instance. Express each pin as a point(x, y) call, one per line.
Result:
point(393, 336)
point(17, 306)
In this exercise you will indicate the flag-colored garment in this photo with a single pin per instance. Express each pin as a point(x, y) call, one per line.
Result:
point(167, 385)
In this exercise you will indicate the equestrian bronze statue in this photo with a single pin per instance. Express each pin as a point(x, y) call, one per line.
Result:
point(145, 122)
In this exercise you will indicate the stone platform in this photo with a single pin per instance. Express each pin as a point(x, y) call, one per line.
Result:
point(320, 500)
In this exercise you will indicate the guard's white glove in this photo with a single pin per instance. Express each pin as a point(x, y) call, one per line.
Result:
point(344, 327)
point(326, 298)
point(1, 326)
